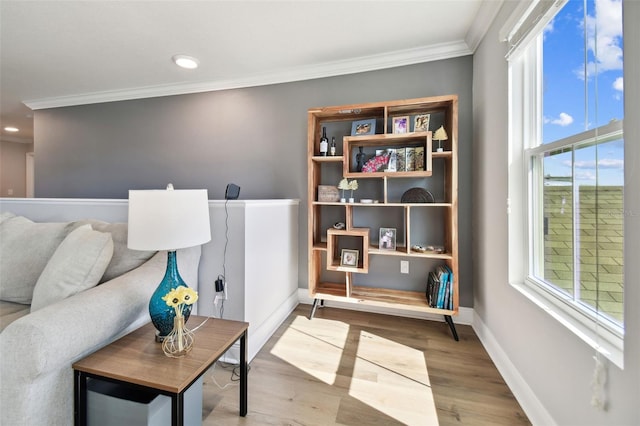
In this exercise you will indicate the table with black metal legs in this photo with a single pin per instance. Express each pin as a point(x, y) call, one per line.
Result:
point(137, 361)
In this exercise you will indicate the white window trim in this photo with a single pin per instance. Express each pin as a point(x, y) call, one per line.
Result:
point(524, 112)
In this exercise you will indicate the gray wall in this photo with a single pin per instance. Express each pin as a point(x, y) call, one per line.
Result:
point(553, 364)
point(13, 168)
point(254, 137)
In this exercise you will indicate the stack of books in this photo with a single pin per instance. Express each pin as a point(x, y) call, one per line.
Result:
point(439, 291)
point(406, 159)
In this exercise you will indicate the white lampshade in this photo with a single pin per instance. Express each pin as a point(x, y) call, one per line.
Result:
point(440, 134)
point(168, 219)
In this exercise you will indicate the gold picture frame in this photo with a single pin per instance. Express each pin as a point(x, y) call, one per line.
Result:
point(421, 122)
point(400, 124)
point(349, 257)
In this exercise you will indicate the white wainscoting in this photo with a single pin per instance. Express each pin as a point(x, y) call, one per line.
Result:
point(260, 265)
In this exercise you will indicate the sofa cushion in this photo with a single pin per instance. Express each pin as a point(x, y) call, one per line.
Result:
point(9, 312)
point(77, 264)
point(124, 259)
point(6, 215)
point(25, 249)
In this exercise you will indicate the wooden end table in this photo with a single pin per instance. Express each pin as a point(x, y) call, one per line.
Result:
point(137, 361)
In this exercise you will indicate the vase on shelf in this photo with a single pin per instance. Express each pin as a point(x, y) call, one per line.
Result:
point(179, 341)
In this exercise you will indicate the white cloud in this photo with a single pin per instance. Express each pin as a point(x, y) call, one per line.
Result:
point(605, 163)
point(604, 36)
point(610, 163)
point(583, 164)
point(585, 175)
point(548, 28)
point(563, 120)
point(619, 84)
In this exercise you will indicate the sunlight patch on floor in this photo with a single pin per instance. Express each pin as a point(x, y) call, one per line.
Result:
point(396, 367)
point(297, 346)
point(385, 376)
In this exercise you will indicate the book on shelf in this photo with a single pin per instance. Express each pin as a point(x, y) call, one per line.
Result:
point(450, 277)
point(419, 158)
point(439, 291)
point(433, 285)
point(410, 159)
point(392, 165)
point(442, 273)
point(401, 160)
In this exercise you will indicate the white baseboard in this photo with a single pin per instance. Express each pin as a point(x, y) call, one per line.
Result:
point(538, 415)
point(263, 332)
point(260, 333)
point(465, 315)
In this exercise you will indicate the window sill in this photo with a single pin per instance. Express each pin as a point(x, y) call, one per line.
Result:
point(609, 343)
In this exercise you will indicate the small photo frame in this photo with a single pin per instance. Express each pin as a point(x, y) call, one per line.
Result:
point(363, 127)
point(387, 240)
point(400, 124)
point(421, 122)
point(349, 257)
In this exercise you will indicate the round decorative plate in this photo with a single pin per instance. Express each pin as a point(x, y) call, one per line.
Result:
point(417, 195)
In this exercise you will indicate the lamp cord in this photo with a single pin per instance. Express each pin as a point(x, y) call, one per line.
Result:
point(224, 254)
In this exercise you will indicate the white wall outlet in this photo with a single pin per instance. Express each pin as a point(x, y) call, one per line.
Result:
point(404, 266)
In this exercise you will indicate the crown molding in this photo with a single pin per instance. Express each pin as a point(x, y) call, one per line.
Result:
point(329, 69)
point(486, 14)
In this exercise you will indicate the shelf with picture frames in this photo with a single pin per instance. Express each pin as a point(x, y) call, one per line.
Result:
point(425, 232)
point(418, 142)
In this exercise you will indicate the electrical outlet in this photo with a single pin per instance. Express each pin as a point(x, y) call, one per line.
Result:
point(404, 266)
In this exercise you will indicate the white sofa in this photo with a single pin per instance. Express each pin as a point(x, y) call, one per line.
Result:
point(38, 349)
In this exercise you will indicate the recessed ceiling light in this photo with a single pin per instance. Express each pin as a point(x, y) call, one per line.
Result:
point(184, 61)
point(11, 129)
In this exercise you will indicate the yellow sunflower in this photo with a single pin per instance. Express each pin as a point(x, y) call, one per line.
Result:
point(177, 298)
point(172, 299)
point(189, 296)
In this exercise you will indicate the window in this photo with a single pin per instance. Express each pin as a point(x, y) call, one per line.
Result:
point(566, 173)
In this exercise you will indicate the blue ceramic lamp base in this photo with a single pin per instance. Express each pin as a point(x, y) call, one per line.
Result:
point(162, 315)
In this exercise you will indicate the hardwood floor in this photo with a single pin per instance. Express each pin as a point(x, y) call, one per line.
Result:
point(355, 368)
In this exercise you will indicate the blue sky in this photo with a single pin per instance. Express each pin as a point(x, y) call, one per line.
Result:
point(565, 75)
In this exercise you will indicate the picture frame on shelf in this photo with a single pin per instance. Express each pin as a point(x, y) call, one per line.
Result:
point(328, 193)
point(363, 127)
point(349, 257)
point(400, 124)
point(387, 240)
point(421, 122)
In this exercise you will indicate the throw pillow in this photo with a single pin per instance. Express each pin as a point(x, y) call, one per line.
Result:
point(77, 264)
point(124, 259)
point(25, 249)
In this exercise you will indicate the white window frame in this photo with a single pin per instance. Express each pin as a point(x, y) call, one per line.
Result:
point(525, 114)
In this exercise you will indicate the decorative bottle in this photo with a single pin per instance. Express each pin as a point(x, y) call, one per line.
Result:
point(324, 143)
point(332, 151)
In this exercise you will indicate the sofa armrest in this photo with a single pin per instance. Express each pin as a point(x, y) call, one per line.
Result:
point(59, 334)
